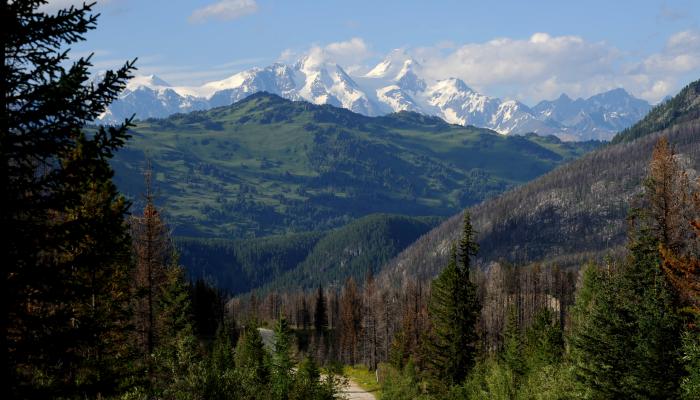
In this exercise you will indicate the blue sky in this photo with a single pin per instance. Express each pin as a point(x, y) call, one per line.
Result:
point(527, 50)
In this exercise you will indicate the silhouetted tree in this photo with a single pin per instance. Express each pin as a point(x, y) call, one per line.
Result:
point(64, 299)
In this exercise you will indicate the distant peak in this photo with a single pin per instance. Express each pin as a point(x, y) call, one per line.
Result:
point(157, 80)
point(617, 92)
point(150, 81)
point(390, 66)
point(457, 84)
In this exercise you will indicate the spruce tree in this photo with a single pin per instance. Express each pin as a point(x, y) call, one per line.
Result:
point(512, 353)
point(320, 312)
point(454, 309)
point(628, 344)
point(178, 362)
point(64, 305)
point(282, 364)
point(545, 340)
point(252, 364)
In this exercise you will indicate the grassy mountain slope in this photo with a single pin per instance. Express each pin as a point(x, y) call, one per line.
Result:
point(266, 166)
point(575, 213)
point(305, 260)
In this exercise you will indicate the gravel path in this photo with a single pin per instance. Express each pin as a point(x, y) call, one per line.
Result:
point(354, 392)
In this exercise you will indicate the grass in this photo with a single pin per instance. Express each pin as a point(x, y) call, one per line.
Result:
point(364, 378)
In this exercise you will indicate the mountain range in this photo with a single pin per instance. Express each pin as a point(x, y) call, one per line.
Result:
point(398, 83)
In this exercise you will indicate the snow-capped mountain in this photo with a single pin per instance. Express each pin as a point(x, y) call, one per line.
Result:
point(395, 84)
point(597, 116)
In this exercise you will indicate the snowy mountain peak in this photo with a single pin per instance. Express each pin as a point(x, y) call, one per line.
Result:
point(453, 86)
point(392, 65)
point(150, 81)
point(397, 83)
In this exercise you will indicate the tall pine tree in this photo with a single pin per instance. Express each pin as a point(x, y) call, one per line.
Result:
point(454, 309)
point(320, 312)
point(64, 298)
point(282, 364)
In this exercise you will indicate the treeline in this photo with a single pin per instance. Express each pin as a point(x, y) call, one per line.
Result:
point(623, 328)
point(367, 323)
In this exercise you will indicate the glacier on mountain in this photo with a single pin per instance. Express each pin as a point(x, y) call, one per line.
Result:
point(395, 84)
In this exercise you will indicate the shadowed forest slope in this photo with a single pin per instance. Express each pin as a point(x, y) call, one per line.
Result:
point(573, 214)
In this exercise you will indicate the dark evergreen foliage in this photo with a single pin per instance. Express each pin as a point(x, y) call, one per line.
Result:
point(454, 309)
point(208, 308)
point(280, 263)
point(320, 312)
point(65, 255)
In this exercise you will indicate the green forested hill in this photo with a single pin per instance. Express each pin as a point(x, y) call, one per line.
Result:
point(303, 260)
point(268, 166)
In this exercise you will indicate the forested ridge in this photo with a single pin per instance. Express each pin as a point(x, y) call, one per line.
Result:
point(681, 108)
point(539, 293)
point(571, 215)
point(302, 259)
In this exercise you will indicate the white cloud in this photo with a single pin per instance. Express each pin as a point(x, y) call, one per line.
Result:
point(224, 10)
point(353, 49)
point(288, 55)
point(537, 66)
point(681, 54)
point(544, 66)
point(349, 54)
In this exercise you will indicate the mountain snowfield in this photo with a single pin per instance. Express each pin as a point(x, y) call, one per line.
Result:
point(395, 84)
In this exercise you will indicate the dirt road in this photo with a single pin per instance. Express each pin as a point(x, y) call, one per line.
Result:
point(354, 392)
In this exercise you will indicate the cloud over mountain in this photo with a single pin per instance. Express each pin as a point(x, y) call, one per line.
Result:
point(224, 10)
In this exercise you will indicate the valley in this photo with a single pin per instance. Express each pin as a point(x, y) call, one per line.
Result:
point(259, 200)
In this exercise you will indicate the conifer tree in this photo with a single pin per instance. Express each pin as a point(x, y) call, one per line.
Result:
point(545, 340)
point(221, 381)
point(152, 249)
point(320, 312)
point(350, 323)
point(628, 344)
point(668, 198)
point(252, 364)
point(178, 362)
point(282, 364)
point(64, 303)
point(512, 352)
point(454, 309)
